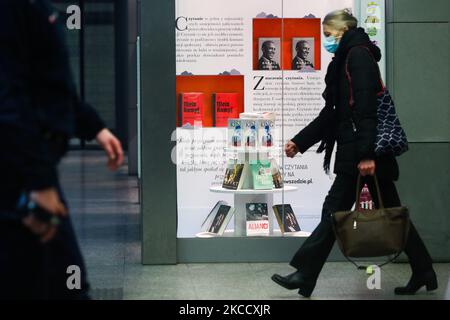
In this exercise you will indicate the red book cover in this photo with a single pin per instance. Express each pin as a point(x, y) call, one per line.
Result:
point(226, 107)
point(192, 108)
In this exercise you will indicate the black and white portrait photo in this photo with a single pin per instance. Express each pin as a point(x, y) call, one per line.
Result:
point(269, 54)
point(303, 53)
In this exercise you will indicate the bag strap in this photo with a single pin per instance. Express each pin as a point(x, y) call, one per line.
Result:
point(363, 267)
point(380, 79)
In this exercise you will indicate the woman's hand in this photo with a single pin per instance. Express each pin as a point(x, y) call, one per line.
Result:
point(366, 167)
point(291, 149)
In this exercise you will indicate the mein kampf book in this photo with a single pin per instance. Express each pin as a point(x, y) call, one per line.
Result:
point(225, 106)
point(191, 108)
point(234, 175)
point(286, 218)
point(262, 175)
point(257, 219)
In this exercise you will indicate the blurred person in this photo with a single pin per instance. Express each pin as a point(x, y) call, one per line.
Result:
point(354, 130)
point(39, 112)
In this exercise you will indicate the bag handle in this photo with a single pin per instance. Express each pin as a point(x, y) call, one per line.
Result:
point(363, 267)
point(358, 190)
point(380, 79)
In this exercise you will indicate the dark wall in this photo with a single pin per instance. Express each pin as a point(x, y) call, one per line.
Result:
point(418, 76)
point(158, 193)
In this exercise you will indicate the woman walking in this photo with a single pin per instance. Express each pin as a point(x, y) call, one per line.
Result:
point(353, 127)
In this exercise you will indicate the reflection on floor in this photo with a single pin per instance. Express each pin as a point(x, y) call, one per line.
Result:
point(105, 211)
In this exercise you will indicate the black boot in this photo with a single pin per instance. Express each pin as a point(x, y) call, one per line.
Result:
point(295, 281)
point(417, 281)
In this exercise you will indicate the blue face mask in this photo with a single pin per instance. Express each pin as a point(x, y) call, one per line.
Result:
point(331, 44)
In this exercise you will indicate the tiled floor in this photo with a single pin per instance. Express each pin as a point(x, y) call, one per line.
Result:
point(105, 211)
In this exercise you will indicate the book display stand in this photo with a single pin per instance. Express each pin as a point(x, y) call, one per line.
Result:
point(248, 192)
point(243, 196)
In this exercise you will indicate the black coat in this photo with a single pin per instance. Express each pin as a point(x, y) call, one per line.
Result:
point(39, 106)
point(353, 128)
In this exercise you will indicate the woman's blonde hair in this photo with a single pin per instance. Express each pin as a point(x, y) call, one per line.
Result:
point(340, 19)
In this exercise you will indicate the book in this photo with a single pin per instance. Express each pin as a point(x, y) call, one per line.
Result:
point(235, 132)
point(303, 53)
point(265, 130)
point(250, 133)
point(276, 174)
point(257, 219)
point(221, 219)
point(286, 218)
point(211, 215)
point(234, 175)
point(191, 108)
point(225, 106)
point(262, 175)
point(269, 54)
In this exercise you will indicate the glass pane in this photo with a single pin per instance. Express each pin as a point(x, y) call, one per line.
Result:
point(238, 60)
point(228, 74)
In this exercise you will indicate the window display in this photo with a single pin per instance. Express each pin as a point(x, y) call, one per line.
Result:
point(250, 75)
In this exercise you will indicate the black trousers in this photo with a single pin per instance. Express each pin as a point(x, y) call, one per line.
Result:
point(314, 252)
point(30, 269)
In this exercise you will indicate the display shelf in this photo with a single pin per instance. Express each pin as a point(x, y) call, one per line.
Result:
point(253, 149)
point(230, 233)
point(244, 196)
point(220, 189)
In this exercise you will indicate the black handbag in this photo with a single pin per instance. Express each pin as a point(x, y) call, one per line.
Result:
point(371, 233)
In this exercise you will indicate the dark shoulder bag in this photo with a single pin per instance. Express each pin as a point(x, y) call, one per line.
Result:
point(391, 138)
